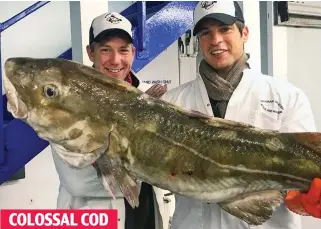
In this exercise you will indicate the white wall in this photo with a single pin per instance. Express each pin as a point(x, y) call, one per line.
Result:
point(303, 67)
point(163, 67)
point(296, 57)
point(251, 11)
point(41, 34)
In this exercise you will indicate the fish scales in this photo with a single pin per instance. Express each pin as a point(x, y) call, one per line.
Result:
point(172, 133)
point(199, 138)
point(249, 155)
point(182, 160)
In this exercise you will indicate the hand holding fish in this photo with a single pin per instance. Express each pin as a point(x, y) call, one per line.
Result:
point(157, 90)
point(308, 203)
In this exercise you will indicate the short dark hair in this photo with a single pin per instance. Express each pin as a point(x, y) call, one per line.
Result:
point(240, 25)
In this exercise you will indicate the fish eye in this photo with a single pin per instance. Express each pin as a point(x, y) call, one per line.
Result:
point(51, 91)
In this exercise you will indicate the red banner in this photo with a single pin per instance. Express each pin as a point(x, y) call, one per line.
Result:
point(58, 219)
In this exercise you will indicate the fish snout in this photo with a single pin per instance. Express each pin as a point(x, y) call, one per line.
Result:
point(14, 105)
point(14, 61)
point(9, 66)
point(13, 64)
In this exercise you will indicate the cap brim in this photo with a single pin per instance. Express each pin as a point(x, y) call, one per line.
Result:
point(223, 18)
point(113, 32)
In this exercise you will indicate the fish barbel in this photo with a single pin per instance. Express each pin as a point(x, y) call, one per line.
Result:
point(132, 137)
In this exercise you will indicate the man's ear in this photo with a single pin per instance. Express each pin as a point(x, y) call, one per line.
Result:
point(90, 53)
point(245, 33)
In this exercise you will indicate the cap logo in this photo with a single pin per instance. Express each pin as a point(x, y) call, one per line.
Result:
point(207, 4)
point(112, 19)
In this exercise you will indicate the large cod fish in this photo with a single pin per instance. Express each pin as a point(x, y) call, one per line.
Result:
point(132, 138)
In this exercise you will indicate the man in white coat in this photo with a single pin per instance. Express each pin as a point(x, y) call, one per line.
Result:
point(112, 52)
point(227, 86)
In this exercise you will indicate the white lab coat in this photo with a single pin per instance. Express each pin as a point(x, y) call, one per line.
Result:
point(251, 103)
point(82, 189)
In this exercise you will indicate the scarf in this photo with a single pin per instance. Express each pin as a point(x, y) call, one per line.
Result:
point(219, 89)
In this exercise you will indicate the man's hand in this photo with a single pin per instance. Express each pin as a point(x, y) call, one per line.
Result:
point(157, 90)
point(308, 204)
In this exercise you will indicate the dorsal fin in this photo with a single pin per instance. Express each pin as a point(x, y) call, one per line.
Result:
point(215, 121)
point(212, 121)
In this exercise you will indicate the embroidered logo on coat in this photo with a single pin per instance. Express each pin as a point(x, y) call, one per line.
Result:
point(265, 104)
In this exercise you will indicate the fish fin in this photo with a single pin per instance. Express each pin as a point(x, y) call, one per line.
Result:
point(117, 174)
point(254, 208)
point(111, 169)
point(106, 176)
point(196, 114)
point(216, 121)
point(311, 140)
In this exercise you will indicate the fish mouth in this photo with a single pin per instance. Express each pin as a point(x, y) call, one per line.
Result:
point(15, 105)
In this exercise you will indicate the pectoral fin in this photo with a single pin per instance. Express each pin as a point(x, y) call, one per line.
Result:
point(111, 171)
point(104, 172)
point(255, 208)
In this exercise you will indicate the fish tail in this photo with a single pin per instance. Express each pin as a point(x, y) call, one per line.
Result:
point(293, 200)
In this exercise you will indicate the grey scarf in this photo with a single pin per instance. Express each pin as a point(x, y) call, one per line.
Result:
point(218, 88)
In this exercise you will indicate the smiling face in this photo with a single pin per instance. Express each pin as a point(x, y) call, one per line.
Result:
point(113, 57)
point(221, 45)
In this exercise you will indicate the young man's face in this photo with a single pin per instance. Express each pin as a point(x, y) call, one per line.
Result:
point(114, 57)
point(221, 45)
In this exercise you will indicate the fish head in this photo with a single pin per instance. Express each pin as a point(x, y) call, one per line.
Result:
point(43, 93)
point(19, 86)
